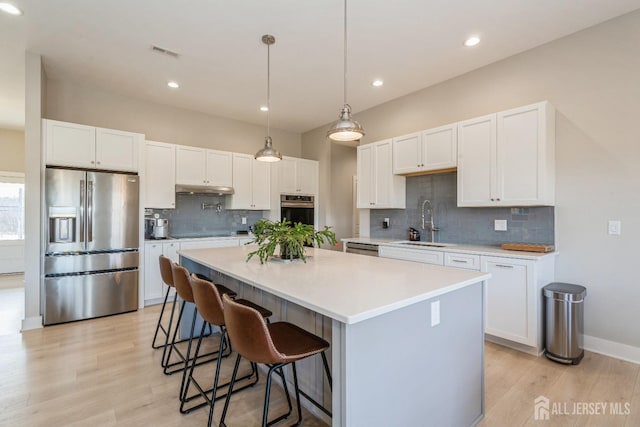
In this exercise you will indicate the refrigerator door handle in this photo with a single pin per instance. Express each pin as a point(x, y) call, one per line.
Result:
point(82, 191)
point(90, 211)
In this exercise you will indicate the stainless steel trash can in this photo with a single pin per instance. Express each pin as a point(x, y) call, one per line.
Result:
point(564, 322)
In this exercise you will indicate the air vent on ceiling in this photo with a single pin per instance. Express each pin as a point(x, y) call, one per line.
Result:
point(164, 51)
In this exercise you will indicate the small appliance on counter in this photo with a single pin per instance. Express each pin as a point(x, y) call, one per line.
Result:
point(156, 227)
point(414, 235)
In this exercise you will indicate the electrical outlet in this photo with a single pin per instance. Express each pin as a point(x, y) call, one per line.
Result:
point(435, 313)
point(500, 225)
point(385, 223)
point(615, 227)
point(244, 220)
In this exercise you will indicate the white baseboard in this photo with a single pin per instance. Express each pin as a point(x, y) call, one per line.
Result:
point(514, 345)
point(31, 323)
point(613, 349)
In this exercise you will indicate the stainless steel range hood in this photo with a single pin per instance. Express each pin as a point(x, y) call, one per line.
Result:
point(203, 189)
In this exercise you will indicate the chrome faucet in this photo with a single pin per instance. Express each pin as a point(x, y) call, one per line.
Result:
point(432, 227)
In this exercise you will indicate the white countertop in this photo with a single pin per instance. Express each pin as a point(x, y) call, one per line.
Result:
point(346, 287)
point(456, 248)
point(195, 238)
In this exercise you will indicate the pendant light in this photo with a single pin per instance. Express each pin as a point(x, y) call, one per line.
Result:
point(345, 130)
point(268, 153)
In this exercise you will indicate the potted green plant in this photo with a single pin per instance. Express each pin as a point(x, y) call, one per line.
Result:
point(289, 238)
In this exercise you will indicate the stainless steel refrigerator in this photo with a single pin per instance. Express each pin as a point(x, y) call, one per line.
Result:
point(91, 256)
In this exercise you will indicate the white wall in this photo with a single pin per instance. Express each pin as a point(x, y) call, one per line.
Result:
point(592, 78)
point(35, 88)
point(12, 146)
point(90, 106)
point(337, 167)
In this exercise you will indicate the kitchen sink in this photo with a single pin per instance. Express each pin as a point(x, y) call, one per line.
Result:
point(423, 244)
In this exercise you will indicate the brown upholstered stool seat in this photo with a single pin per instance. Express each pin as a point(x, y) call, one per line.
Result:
point(265, 313)
point(293, 342)
point(221, 288)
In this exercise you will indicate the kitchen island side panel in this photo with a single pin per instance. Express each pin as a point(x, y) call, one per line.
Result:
point(398, 370)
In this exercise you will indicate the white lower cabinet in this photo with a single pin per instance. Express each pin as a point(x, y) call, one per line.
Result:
point(213, 243)
point(408, 254)
point(154, 287)
point(514, 309)
point(514, 303)
point(510, 299)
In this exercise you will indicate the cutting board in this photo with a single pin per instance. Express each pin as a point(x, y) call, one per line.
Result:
point(528, 247)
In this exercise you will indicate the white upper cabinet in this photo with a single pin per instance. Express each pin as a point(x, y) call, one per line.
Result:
point(297, 176)
point(507, 158)
point(429, 150)
point(191, 165)
point(160, 175)
point(219, 168)
point(251, 183)
point(199, 166)
point(378, 187)
point(75, 145)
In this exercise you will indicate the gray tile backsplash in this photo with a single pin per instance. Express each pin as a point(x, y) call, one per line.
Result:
point(189, 219)
point(461, 225)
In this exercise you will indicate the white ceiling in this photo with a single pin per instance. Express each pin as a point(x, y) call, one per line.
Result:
point(411, 44)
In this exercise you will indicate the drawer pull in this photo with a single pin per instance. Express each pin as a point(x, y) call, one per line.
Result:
point(459, 261)
point(504, 266)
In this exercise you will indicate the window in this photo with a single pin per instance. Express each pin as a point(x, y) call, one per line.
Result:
point(11, 206)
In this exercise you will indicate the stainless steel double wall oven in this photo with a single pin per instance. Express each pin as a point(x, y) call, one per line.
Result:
point(297, 208)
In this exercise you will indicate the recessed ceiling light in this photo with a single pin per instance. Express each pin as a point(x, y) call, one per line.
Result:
point(472, 41)
point(264, 108)
point(10, 9)
point(173, 85)
point(377, 83)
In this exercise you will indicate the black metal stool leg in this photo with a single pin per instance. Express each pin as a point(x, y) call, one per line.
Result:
point(295, 384)
point(183, 397)
point(230, 392)
point(166, 341)
point(186, 358)
point(327, 371)
point(159, 325)
point(165, 362)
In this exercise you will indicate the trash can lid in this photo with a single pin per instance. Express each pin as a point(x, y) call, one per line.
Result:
point(565, 291)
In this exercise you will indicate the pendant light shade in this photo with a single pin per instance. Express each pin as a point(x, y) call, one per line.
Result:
point(268, 153)
point(345, 130)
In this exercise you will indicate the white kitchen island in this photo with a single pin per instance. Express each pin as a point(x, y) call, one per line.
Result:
point(390, 366)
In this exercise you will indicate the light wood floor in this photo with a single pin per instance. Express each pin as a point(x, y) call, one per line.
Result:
point(102, 372)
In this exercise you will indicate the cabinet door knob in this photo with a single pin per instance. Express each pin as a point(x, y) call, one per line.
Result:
point(92, 162)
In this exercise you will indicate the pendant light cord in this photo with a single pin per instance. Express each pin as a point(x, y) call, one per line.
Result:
point(345, 52)
point(268, 89)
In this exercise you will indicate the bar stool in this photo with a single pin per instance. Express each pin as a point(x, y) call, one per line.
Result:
point(209, 303)
point(182, 285)
point(276, 345)
point(167, 279)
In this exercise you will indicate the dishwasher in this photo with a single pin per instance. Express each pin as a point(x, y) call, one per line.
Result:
point(370, 249)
